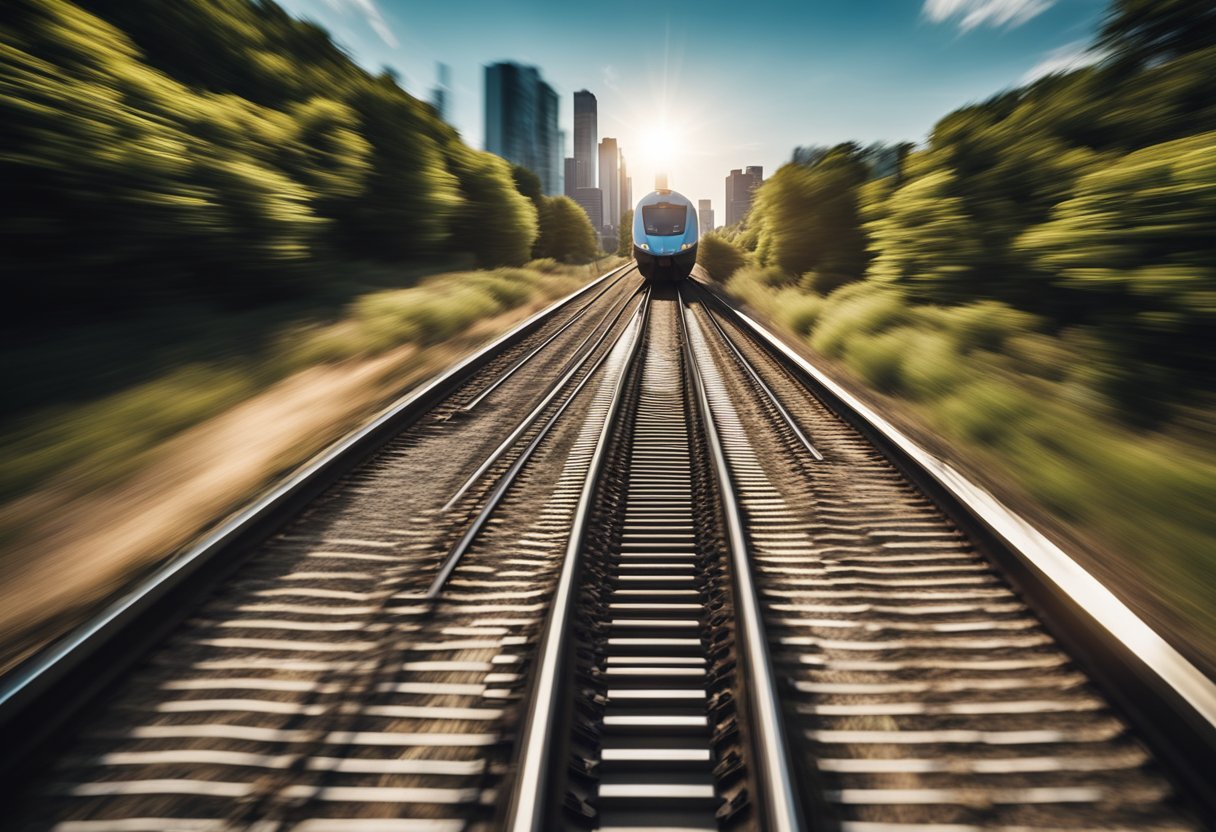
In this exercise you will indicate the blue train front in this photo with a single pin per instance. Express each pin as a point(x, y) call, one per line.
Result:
point(665, 236)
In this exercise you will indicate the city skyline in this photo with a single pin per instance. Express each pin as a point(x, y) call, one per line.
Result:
point(691, 90)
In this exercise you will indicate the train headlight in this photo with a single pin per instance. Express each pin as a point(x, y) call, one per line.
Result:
point(645, 246)
point(684, 246)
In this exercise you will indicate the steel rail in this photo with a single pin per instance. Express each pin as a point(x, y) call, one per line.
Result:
point(528, 804)
point(1164, 695)
point(779, 804)
point(42, 693)
point(555, 388)
point(532, 354)
point(772, 397)
point(457, 552)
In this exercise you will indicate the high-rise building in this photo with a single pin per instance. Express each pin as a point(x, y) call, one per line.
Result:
point(610, 182)
point(521, 121)
point(739, 188)
point(586, 136)
point(705, 216)
point(439, 95)
point(571, 177)
point(548, 140)
point(592, 201)
point(626, 189)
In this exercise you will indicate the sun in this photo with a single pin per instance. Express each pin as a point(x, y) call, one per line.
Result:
point(659, 143)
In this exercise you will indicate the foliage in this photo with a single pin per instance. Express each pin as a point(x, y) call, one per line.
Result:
point(566, 234)
point(924, 241)
point(1137, 237)
point(1148, 30)
point(528, 184)
point(625, 241)
point(495, 221)
point(719, 257)
point(806, 218)
point(215, 150)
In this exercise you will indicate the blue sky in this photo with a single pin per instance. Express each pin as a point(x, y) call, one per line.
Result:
point(700, 87)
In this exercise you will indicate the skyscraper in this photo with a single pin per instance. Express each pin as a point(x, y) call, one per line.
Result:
point(592, 200)
point(439, 95)
point(571, 183)
point(586, 136)
point(739, 189)
point(548, 141)
point(705, 216)
point(610, 182)
point(521, 121)
point(626, 189)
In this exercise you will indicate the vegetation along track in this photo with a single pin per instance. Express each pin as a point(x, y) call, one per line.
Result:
point(635, 576)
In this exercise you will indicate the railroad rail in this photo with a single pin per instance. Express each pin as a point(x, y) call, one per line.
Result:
point(637, 565)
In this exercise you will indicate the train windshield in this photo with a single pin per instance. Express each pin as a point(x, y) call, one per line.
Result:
point(664, 219)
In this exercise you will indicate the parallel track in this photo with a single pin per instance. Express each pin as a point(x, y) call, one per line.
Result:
point(679, 591)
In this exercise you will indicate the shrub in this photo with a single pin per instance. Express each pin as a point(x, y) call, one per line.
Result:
point(878, 358)
point(932, 365)
point(860, 308)
point(799, 311)
point(985, 411)
point(719, 257)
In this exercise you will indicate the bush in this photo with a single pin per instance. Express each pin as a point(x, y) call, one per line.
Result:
point(719, 257)
point(858, 309)
point(566, 234)
point(985, 411)
point(878, 358)
point(932, 365)
point(799, 311)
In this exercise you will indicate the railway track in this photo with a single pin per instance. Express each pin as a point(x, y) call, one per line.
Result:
point(634, 567)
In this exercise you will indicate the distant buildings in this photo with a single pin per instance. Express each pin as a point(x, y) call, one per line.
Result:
point(522, 127)
point(586, 136)
point(625, 184)
point(739, 188)
point(610, 182)
point(592, 201)
point(571, 177)
point(705, 217)
point(439, 95)
point(521, 121)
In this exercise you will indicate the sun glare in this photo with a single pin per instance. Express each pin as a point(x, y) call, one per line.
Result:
point(659, 144)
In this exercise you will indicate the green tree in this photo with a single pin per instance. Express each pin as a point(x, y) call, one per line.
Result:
point(1143, 31)
point(806, 218)
point(625, 243)
point(495, 222)
point(565, 231)
point(528, 184)
point(412, 197)
point(1137, 238)
point(926, 240)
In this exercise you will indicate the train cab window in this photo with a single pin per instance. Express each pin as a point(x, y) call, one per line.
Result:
point(664, 219)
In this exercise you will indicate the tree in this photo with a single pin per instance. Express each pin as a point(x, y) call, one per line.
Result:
point(926, 241)
point(495, 222)
point(1136, 237)
point(625, 245)
point(1147, 31)
point(806, 218)
point(528, 184)
point(565, 231)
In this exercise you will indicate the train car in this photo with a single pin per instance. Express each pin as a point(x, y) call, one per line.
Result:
point(665, 235)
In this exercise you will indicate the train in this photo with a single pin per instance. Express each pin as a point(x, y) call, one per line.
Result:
point(665, 236)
